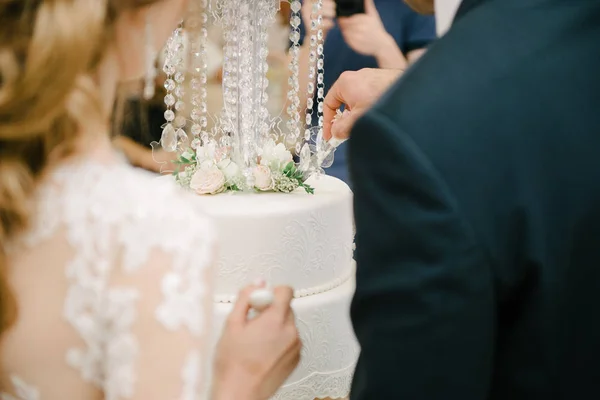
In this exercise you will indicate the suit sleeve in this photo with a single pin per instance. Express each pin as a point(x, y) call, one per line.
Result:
point(423, 311)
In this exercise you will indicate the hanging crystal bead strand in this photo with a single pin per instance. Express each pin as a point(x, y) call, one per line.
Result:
point(320, 68)
point(246, 100)
point(229, 115)
point(315, 83)
point(312, 68)
point(265, 13)
point(198, 33)
point(179, 78)
point(169, 140)
point(293, 110)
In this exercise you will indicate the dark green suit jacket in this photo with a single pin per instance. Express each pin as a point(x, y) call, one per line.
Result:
point(477, 201)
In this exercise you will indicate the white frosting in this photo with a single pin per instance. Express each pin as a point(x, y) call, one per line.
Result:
point(330, 349)
point(305, 241)
point(296, 239)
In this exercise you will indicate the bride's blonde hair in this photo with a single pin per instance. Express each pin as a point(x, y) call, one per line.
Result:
point(49, 50)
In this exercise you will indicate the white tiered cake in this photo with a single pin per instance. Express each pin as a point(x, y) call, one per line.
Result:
point(304, 241)
point(270, 224)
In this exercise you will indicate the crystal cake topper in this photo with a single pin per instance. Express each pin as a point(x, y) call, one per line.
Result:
point(246, 150)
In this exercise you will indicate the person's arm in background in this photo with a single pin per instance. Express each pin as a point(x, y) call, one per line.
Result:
point(140, 156)
point(139, 125)
point(420, 32)
point(367, 35)
point(328, 15)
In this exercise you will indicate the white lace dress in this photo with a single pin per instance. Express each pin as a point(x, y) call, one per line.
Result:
point(112, 283)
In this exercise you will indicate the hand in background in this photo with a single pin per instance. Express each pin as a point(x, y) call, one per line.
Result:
point(365, 33)
point(139, 156)
point(159, 161)
point(358, 91)
point(255, 357)
point(327, 12)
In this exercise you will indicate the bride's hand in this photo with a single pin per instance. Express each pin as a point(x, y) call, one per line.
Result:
point(255, 357)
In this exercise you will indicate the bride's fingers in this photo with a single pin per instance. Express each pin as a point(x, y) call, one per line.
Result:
point(281, 306)
point(239, 314)
point(293, 356)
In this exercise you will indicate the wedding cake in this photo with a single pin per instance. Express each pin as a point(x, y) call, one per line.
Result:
point(279, 218)
point(304, 241)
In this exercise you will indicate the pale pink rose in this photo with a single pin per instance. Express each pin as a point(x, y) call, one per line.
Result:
point(262, 178)
point(208, 181)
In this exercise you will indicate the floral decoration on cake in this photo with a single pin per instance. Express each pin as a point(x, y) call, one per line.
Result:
point(210, 170)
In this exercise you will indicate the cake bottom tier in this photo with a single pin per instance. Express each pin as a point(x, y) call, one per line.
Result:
point(330, 349)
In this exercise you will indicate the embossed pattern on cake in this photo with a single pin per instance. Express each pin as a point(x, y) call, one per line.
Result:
point(300, 240)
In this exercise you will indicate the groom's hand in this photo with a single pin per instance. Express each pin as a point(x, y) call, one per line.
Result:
point(255, 357)
point(358, 91)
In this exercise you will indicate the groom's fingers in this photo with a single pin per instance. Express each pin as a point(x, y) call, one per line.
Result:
point(341, 128)
point(333, 101)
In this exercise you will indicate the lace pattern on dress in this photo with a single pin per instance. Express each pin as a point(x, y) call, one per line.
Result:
point(190, 375)
point(22, 391)
point(109, 210)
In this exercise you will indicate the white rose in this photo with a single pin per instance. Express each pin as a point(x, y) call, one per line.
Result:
point(262, 178)
point(277, 156)
point(208, 181)
point(206, 153)
point(230, 169)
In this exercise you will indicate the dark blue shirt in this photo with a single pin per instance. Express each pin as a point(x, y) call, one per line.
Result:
point(410, 30)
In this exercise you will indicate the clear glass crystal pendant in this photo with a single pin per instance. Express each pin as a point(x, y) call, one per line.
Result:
point(168, 140)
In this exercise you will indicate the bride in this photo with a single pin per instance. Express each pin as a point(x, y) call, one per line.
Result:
point(105, 288)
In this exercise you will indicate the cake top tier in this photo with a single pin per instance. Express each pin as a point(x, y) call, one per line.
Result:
point(231, 204)
point(295, 239)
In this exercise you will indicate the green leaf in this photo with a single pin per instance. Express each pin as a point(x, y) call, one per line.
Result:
point(290, 167)
point(184, 160)
point(309, 189)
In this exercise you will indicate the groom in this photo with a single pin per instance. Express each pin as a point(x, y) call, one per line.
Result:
point(477, 200)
